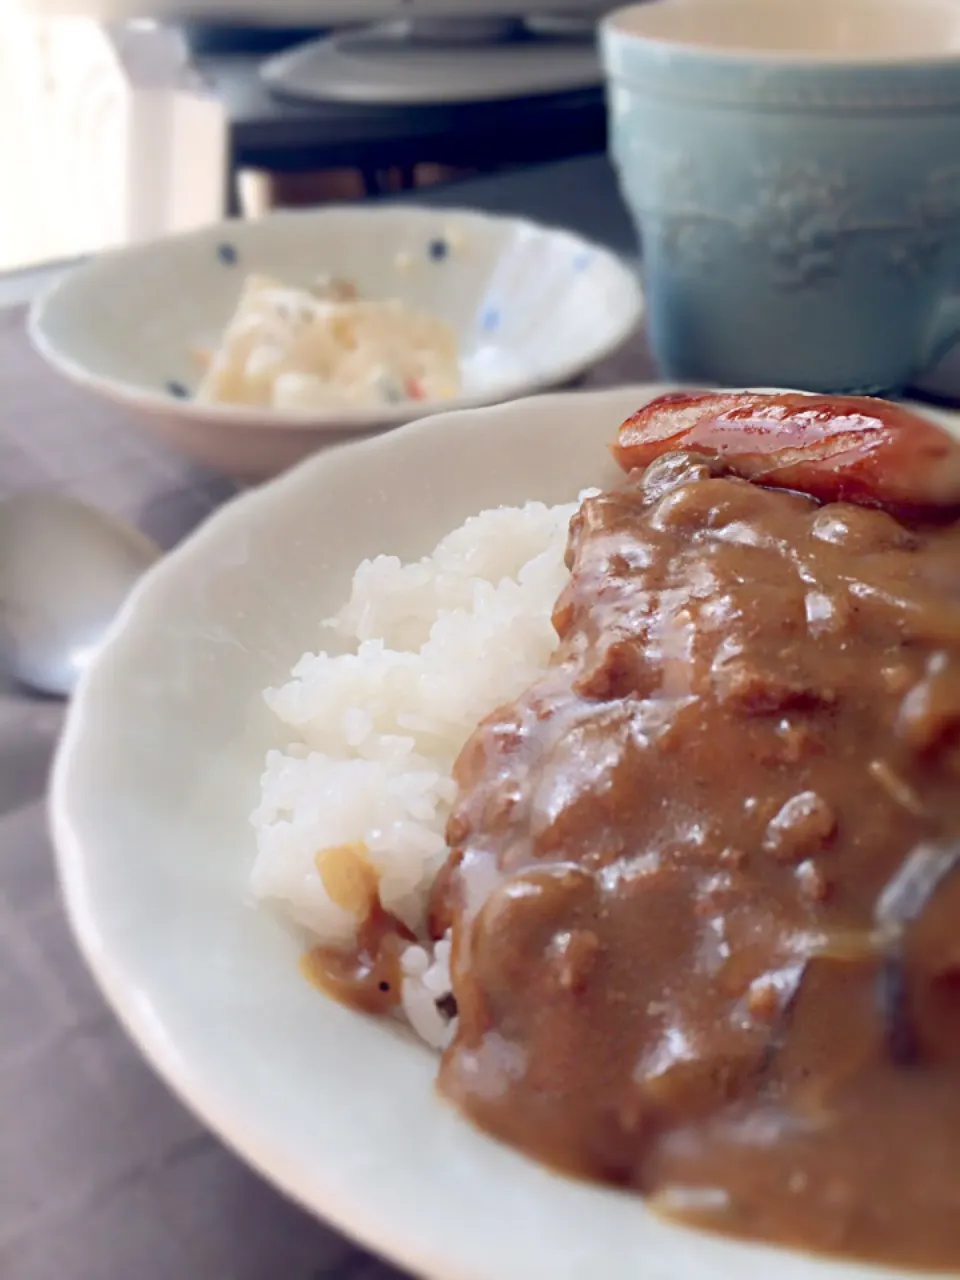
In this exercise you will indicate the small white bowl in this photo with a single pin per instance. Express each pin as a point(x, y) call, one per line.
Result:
point(532, 307)
point(157, 772)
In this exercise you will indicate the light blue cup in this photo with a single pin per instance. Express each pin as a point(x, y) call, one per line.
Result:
point(793, 168)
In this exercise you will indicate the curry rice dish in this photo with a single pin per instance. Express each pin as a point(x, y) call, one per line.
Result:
point(698, 899)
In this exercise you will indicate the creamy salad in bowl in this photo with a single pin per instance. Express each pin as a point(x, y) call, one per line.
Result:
point(291, 348)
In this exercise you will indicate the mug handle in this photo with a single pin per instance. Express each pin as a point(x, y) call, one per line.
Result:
point(946, 333)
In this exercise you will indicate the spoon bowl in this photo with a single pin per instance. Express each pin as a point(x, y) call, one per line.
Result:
point(65, 570)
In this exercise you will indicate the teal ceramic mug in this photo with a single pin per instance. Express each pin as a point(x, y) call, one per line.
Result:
point(793, 168)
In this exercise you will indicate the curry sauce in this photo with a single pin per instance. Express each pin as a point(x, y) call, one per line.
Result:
point(705, 917)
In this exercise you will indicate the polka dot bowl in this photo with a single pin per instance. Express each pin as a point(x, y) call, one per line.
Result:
point(533, 308)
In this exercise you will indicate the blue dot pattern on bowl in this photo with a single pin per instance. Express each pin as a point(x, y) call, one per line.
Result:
point(490, 319)
point(227, 254)
point(582, 260)
point(177, 389)
point(438, 250)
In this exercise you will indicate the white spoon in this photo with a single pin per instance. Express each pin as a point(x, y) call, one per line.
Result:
point(65, 570)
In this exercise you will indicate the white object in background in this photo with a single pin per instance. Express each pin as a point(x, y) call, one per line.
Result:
point(104, 140)
point(176, 145)
point(532, 307)
point(387, 64)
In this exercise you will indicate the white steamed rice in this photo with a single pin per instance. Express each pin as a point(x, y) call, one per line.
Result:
point(438, 645)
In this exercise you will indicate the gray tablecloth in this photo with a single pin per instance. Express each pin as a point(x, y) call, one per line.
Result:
point(103, 1174)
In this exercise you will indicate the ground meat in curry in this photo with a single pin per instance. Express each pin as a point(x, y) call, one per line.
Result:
point(706, 926)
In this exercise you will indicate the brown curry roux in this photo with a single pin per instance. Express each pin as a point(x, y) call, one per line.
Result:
point(702, 883)
point(675, 964)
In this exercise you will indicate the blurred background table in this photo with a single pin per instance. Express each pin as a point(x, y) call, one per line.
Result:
point(284, 137)
point(385, 145)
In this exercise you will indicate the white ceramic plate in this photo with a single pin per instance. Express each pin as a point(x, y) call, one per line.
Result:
point(532, 307)
point(157, 772)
